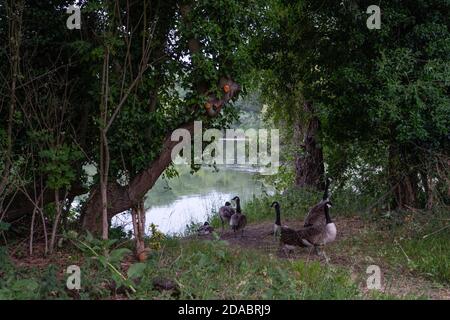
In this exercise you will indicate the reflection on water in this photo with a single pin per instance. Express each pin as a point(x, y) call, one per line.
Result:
point(173, 204)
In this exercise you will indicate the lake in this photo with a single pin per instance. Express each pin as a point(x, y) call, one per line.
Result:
point(175, 203)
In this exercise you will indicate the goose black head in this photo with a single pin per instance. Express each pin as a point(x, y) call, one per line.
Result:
point(238, 204)
point(206, 223)
point(227, 204)
point(275, 204)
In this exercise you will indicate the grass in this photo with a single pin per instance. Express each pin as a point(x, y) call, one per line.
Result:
point(201, 269)
point(421, 247)
point(414, 244)
point(214, 270)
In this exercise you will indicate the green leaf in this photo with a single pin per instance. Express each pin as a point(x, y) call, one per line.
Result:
point(4, 226)
point(136, 270)
point(118, 254)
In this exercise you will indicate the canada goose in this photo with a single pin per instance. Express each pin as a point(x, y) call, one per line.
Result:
point(315, 215)
point(238, 220)
point(205, 229)
point(225, 213)
point(277, 225)
point(311, 236)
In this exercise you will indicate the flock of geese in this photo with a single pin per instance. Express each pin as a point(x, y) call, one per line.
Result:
point(317, 231)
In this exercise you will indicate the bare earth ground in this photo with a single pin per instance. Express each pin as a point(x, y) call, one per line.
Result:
point(399, 283)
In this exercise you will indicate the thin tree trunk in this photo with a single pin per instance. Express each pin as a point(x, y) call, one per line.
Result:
point(428, 188)
point(55, 223)
point(41, 211)
point(15, 10)
point(141, 224)
point(32, 232)
point(104, 189)
point(138, 218)
point(104, 150)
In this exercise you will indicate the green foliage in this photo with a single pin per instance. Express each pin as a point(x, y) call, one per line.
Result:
point(151, 75)
point(118, 233)
point(20, 283)
point(156, 237)
point(136, 270)
point(381, 95)
point(109, 259)
point(57, 164)
point(24, 289)
point(4, 226)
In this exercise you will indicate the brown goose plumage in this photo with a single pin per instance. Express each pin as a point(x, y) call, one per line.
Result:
point(205, 229)
point(315, 215)
point(225, 213)
point(314, 235)
point(238, 220)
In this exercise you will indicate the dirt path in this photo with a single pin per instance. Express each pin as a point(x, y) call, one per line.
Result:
point(395, 282)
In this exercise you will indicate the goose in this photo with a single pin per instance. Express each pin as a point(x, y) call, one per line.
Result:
point(310, 236)
point(315, 215)
point(238, 220)
point(225, 213)
point(205, 229)
point(277, 225)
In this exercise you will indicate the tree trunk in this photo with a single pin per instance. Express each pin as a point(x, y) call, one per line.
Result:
point(122, 198)
point(104, 166)
point(15, 11)
point(309, 165)
point(402, 179)
point(428, 187)
point(138, 218)
point(55, 223)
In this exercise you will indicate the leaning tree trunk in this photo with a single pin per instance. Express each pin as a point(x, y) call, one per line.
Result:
point(122, 198)
point(309, 167)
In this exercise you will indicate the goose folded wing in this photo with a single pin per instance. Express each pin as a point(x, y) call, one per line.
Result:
point(302, 237)
point(226, 212)
point(316, 215)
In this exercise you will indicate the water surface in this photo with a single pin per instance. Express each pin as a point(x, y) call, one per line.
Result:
point(172, 204)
